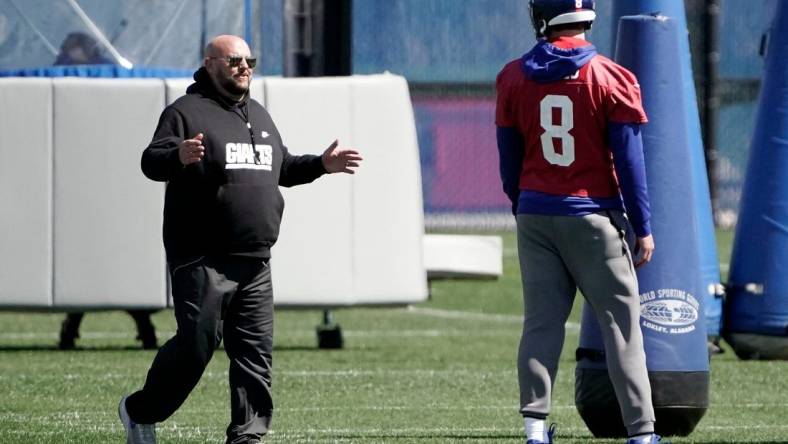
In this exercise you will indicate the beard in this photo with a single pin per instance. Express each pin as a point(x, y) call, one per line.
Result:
point(232, 86)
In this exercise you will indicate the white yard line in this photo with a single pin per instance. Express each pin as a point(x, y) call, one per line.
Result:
point(420, 407)
point(188, 432)
point(480, 407)
point(416, 333)
point(393, 432)
point(463, 315)
point(470, 316)
point(467, 430)
point(83, 335)
point(350, 373)
point(412, 333)
point(419, 311)
point(70, 415)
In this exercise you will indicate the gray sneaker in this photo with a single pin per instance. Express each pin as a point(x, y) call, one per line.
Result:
point(136, 433)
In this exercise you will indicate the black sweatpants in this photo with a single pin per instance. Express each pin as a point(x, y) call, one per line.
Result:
point(228, 296)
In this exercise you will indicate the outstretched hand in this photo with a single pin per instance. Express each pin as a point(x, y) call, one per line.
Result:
point(339, 160)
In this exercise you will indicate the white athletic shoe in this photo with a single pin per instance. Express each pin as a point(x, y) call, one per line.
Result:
point(651, 439)
point(550, 433)
point(136, 433)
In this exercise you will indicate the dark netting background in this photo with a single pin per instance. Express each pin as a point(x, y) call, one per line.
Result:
point(449, 50)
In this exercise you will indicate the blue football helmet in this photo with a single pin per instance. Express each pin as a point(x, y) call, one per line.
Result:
point(547, 13)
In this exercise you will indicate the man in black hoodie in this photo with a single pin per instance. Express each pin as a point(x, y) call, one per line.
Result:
point(223, 160)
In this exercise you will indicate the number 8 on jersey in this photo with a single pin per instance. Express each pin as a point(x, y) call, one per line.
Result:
point(559, 131)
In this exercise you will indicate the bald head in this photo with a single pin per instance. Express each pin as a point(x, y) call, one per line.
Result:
point(230, 80)
point(227, 45)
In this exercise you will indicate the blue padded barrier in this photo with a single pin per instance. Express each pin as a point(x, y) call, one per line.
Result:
point(709, 283)
point(756, 310)
point(674, 332)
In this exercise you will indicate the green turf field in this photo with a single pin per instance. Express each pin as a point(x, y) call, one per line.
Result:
point(438, 372)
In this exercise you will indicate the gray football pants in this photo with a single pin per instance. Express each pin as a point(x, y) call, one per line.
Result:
point(558, 255)
point(228, 296)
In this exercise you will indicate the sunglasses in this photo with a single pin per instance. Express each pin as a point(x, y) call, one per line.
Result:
point(235, 61)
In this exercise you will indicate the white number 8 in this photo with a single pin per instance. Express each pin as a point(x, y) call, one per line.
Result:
point(560, 131)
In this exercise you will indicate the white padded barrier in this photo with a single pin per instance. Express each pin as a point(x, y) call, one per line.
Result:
point(25, 192)
point(84, 225)
point(389, 218)
point(107, 242)
point(350, 240)
point(463, 256)
point(174, 88)
point(313, 259)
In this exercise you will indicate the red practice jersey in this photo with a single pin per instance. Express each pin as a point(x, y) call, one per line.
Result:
point(564, 124)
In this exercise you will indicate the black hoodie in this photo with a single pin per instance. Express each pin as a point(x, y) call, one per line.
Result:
point(229, 202)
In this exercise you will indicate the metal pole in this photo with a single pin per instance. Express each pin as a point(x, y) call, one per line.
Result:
point(203, 27)
point(711, 99)
point(300, 22)
point(248, 21)
point(338, 38)
point(317, 38)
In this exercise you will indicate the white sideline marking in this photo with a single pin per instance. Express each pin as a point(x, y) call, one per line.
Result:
point(746, 427)
point(188, 432)
point(52, 335)
point(469, 316)
point(453, 431)
point(468, 408)
point(463, 315)
point(173, 429)
point(414, 333)
point(458, 430)
point(386, 372)
point(431, 312)
point(82, 335)
point(432, 333)
point(514, 408)
point(112, 415)
point(279, 374)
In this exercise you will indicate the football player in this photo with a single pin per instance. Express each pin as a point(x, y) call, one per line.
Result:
point(571, 161)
